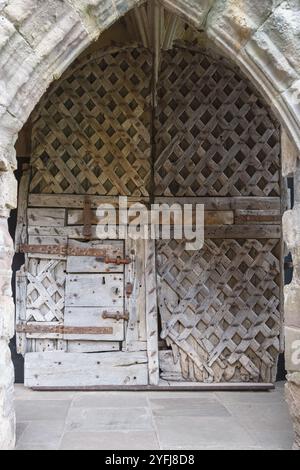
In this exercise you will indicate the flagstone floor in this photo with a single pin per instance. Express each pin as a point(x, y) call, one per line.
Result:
point(152, 420)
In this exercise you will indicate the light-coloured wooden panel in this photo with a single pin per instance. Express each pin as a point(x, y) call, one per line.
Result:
point(93, 317)
point(46, 217)
point(151, 312)
point(94, 290)
point(135, 303)
point(88, 264)
point(21, 299)
point(56, 369)
point(80, 346)
point(47, 240)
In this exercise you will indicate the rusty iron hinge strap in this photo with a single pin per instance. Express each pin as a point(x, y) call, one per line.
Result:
point(116, 315)
point(129, 289)
point(63, 330)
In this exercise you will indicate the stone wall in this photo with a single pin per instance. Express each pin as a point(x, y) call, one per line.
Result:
point(38, 41)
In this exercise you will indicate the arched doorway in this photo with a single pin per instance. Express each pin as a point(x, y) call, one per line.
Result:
point(198, 132)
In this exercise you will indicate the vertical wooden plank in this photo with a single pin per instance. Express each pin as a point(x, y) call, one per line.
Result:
point(135, 303)
point(21, 229)
point(21, 296)
point(151, 312)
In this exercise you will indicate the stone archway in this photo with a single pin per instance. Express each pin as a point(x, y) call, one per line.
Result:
point(38, 40)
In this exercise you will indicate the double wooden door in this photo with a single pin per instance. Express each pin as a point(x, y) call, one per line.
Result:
point(169, 315)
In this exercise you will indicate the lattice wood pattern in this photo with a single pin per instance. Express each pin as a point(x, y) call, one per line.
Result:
point(92, 130)
point(214, 135)
point(45, 290)
point(220, 308)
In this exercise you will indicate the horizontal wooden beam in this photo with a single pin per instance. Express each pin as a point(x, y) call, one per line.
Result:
point(226, 203)
point(211, 203)
point(174, 386)
point(76, 201)
point(213, 231)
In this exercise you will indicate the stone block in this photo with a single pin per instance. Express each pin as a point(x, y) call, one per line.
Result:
point(192, 10)
point(290, 155)
point(292, 394)
point(292, 349)
point(7, 317)
point(8, 190)
point(265, 54)
point(291, 228)
point(292, 305)
point(234, 22)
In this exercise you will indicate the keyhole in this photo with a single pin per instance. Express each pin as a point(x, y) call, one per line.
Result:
point(103, 280)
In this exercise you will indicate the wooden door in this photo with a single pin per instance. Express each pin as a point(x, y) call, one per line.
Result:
point(214, 142)
point(82, 321)
point(218, 144)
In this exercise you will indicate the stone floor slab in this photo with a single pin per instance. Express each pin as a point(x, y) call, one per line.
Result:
point(110, 441)
point(43, 433)
point(153, 420)
point(188, 407)
point(109, 419)
point(111, 400)
point(202, 433)
point(263, 418)
point(41, 410)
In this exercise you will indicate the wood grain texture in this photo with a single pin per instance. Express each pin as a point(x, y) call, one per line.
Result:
point(94, 290)
point(221, 309)
point(214, 137)
point(55, 369)
point(75, 139)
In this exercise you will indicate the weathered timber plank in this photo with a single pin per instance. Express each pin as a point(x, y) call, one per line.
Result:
point(72, 232)
point(94, 290)
point(46, 217)
point(93, 317)
point(226, 203)
point(76, 201)
point(92, 346)
point(135, 303)
point(257, 217)
point(21, 296)
point(76, 217)
point(244, 231)
point(21, 228)
point(151, 312)
point(56, 369)
point(89, 264)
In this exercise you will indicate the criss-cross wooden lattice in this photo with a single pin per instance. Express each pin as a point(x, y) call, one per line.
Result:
point(214, 135)
point(220, 308)
point(45, 290)
point(91, 132)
